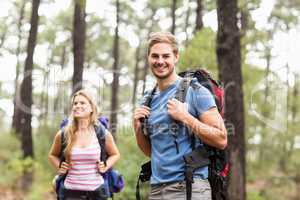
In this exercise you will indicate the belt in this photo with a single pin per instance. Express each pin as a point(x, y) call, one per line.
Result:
point(166, 183)
point(81, 193)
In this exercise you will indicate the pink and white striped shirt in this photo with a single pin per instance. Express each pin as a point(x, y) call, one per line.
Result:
point(83, 174)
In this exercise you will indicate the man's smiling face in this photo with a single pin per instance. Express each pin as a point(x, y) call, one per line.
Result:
point(162, 60)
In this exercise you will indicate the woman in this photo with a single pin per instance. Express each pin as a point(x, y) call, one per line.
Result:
point(82, 164)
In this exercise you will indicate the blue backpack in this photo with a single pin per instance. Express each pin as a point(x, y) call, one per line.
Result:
point(113, 180)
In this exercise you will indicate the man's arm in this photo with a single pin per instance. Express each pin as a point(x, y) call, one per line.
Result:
point(209, 127)
point(142, 141)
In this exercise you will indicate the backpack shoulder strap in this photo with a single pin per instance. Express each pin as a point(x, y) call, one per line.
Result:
point(100, 133)
point(182, 89)
point(148, 97)
point(180, 95)
point(147, 102)
point(63, 146)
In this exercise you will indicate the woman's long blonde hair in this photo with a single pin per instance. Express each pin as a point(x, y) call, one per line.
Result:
point(72, 125)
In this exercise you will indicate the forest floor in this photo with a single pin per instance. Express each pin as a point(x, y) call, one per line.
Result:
point(10, 194)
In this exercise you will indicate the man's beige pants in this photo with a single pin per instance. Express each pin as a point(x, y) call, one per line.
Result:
point(176, 191)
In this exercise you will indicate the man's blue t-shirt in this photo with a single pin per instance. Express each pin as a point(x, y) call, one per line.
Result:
point(167, 164)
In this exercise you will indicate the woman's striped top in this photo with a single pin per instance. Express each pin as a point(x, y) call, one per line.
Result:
point(83, 173)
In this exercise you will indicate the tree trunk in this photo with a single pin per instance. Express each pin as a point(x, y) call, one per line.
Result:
point(173, 15)
point(295, 98)
point(2, 38)
point(136, 75)
point(57, 102)
point(268, 60)
point(297, 181)
point(26, 87)
point(44, 102)
point(145, 72)
point(265, 110)
point(116, 71)
point(229, 62)
point(199, 15)
point(244, 21)
point(285, 134)
point(187, 18)
point(78, 44)
point(145, 69)
point(16, 119)
point(294, 110)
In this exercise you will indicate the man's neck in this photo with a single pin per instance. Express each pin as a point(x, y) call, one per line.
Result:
point(163, 84)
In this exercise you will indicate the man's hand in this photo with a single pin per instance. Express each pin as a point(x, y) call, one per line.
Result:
point(138, 114)
point(142, 140)
point(177, 110)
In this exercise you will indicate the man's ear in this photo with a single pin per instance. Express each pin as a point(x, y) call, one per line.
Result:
point(176, 57)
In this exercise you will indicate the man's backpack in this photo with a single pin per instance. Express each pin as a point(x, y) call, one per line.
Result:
point(215, 158)
point(219, 165)
point(113, 180)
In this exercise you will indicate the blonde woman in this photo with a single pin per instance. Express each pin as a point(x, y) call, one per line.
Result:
point(82, 165)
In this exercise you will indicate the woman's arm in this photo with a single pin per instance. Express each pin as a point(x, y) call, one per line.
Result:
point(112, 151)
point(54, 154)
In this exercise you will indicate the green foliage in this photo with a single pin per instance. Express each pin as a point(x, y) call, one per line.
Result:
point(43, 141)
point(284, 15)
point(129, 164)
point(253, 195)
point(41, 188)
point(12, 166)
point(200, 52)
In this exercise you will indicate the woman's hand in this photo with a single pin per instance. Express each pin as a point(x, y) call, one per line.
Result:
point(102, 168)
point(64, 167)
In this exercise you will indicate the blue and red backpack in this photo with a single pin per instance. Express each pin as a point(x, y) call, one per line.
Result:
point(218, 166)
point(215, 159)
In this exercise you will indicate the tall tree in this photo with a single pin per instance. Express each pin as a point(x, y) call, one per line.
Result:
point(26, 86)
point(150, 28)
point(173, 15)
point(16, 115)
point(285, 135)
point(187, 24)
point(44, 99)
point(295, 97)
point(79, 26)
point(229, 63)
point(136, 75)
point(59, 98)
point(199, 15)
point(115, 83)
point(4, 29)
point(266, 109)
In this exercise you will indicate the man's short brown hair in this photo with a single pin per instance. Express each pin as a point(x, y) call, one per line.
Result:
point(163, 37)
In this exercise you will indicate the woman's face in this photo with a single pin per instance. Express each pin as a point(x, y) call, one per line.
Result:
point(81, 107)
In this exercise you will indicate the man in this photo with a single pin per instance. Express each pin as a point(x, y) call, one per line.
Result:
point(199, 114)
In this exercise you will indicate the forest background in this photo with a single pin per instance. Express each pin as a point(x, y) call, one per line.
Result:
point(51, 48)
